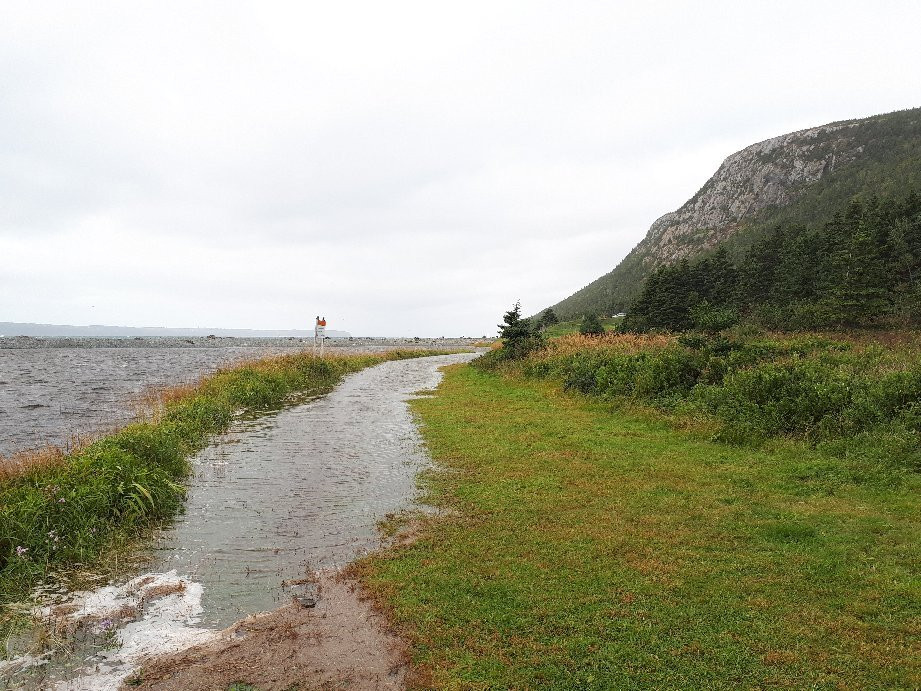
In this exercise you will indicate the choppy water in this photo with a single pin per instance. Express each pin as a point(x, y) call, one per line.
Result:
point(48, 395)
point(275, 497)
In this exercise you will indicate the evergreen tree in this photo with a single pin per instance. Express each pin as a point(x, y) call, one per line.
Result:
point(861, 268)
point(518, 339)
point(547, 318)
point(591, 326)
point(759, 268)
point(722, 279)
point(794, 278)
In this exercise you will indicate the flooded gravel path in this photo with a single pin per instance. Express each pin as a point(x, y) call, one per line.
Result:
point(301, 489)
point(270, 501)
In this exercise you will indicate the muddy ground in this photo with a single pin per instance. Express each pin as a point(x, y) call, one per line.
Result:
point(340, 643)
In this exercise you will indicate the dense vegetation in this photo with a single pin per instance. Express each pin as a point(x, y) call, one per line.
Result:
point(591, 546)
point(69, 513)
point(859, 403)
point(861, 268)
point(889, 163)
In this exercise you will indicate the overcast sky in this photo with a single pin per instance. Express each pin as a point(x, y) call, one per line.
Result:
point(401, 168)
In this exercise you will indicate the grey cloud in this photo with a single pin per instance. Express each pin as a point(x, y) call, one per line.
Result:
point(240, 165)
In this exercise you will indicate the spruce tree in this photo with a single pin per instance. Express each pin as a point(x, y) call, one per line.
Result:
point(517, 337)
point(591, 326)
point(547, 318)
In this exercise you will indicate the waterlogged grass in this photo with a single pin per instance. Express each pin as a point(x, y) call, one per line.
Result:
point(69, 512)
point(597, 547)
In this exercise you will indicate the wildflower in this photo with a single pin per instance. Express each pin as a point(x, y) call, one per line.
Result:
point(61, 500)
point(106, 624)
point(20, 550)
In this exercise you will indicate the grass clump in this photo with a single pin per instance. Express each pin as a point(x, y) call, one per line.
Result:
point(66, 510)
point(591, 546)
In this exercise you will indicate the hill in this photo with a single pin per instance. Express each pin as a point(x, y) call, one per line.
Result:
point(796, 178)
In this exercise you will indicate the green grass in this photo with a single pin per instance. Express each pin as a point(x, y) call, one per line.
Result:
point(73, 513)
point(594, 547)
point(572, 327)
point(860, 402)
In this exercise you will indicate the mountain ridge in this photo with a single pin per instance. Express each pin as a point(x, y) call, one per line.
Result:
point(793, 176)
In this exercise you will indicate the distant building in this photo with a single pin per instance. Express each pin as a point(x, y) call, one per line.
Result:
point(618, 315)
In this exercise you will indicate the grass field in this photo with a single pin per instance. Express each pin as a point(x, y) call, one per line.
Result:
point(593, 546)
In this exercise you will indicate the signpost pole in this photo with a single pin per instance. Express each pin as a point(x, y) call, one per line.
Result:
point(319, 336)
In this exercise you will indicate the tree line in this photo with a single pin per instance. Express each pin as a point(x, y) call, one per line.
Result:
point(860, 269)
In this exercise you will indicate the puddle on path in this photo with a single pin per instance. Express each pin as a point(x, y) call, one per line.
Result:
point(272, 499)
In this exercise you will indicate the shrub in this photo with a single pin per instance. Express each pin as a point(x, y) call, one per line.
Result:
point(808, 387)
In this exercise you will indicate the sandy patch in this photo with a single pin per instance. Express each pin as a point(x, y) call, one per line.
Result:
point(342, 642)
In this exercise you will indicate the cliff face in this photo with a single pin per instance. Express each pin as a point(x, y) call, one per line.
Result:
point(763, 175)
point(804, 171)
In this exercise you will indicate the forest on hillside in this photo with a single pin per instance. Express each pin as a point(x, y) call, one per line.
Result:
point(888, 164)
point(862, 268)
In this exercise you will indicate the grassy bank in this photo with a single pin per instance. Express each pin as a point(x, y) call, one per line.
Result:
point(856, 400)
point(64, 511)
point(594, 545)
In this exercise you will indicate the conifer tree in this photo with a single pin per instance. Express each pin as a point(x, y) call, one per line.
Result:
point(547, 318)
point(517, 337)
point(591, 326)
point(863, 267)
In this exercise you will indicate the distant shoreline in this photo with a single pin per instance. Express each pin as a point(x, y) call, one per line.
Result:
point(29, 342)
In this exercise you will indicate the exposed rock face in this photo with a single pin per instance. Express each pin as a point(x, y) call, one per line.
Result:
point(833, 162)
point(759, 176)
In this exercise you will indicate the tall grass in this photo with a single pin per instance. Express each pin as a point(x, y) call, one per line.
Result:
point(857, 399)
point(59, 510)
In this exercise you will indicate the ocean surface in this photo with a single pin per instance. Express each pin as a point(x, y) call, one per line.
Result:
point(49, 395)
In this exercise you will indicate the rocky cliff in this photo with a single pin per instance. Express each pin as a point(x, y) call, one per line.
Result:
point(754, 186)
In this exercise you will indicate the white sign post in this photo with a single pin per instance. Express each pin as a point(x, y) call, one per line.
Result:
point(319, 335)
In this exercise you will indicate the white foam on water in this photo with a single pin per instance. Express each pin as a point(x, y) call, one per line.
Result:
point(153, 614)
point(23, 662)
